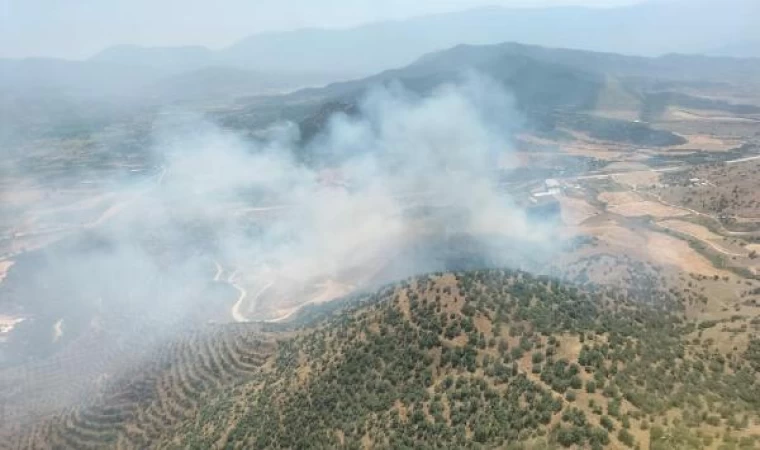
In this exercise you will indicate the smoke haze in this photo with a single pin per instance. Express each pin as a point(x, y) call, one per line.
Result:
point(233, 229)
point(404, 168)
point(354, 208)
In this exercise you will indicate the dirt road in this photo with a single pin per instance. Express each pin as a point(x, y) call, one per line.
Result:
point(5, 266)
point(57, 330)
point(658, 170)
point(712, 245)
point(236, 314)
point(332, 291)
point(219, 271)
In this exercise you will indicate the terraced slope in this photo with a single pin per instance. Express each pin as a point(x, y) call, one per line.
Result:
point(486, 359)
point(158, 398)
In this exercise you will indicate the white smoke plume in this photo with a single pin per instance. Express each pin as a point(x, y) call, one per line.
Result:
point(233, 229)
point(250, 215)
point(401, 151)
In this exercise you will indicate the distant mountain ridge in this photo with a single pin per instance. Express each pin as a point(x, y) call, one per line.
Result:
point(744, 49)
point(553, 88)
point(177, 58)
point(550, 85)
point(647, 29)
point(548, 78)
point(311, 57)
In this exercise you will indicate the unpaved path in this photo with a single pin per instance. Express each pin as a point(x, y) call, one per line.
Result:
point(631, 204)
point(332, 290)
point(599, 176)
point(236, 314)
point(219, 271)
point(669, 250)
point(723, 229)
point(699, 233)
point(5, 266)
point(685, 208)
point(57, 330)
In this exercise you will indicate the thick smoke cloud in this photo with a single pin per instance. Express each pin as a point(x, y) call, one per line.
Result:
point(274, 219)
point(251, 216)
point(232, 229)
point(352, 210)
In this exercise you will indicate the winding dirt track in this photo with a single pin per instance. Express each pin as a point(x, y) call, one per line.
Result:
point(712, 245)
point(219, 271)
point(599, 176)
point(723, 229)
point(331, 292)
point(57, 330)
point(5, 266)
point(237, 315)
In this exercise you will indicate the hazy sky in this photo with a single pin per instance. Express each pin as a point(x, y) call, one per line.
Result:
point(80, 28)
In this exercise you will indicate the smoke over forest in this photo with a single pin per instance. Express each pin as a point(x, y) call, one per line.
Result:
point(403, 170)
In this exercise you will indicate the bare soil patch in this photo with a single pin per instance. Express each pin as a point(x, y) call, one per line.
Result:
point(626, 166)
point(602, 152)
point(704, 115)
point(667, 250)
point(575, 210)
point(709, 143)
point(619, 198)
point(630, 204)
point(638, 178)
point(753, 248)
point(698, 231)
point(647, 208)
point(617, 236)
point(658, 248)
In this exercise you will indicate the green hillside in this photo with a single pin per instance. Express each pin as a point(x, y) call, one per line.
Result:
point(486, 359)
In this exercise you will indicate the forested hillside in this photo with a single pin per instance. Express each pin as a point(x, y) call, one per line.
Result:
point(468, 360)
